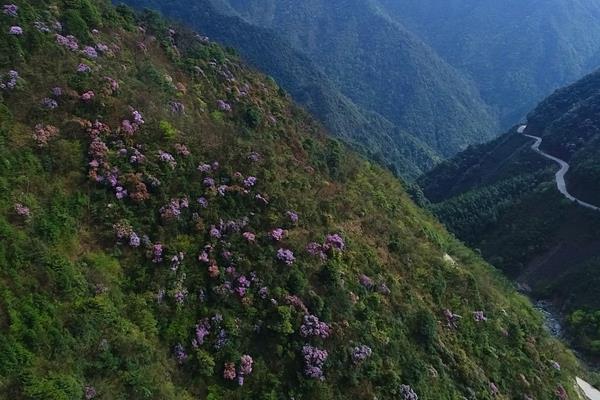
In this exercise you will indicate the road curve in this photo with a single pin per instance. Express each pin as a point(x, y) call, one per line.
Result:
point(560, 175)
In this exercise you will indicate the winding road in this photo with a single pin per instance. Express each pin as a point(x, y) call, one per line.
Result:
point(560, 175)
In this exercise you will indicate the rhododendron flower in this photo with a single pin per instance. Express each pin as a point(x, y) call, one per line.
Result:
point(561, 393)
point(208, 182)
point(70, 42)
point(113, 85)
point(101, 47)
point(313, 327)
point(41, 27)
point(203, 202)
point(223, 106)
point(246, 362)
point(249, 236)
point(11, 82)
point(180, 354)
point(137, 117)
point(293, 216)
point(250, 181)
point(479, 316)
point(263, 292)
point(407, 393)
point(451, 318)
point(213, 271)
point(222, 190)
point(89, 392)
point(315, 249)
point(202, 331)
point(15, 31)
point(167, 158)
point(229, 371)
point(134, 240)
point(157, 253)
point(176, 261)
point(365, 281)
point(180, 295)
point(11, 10)
point(49, 104)
point(176, 107)
point(120, 192)
point(88, 96)
point(182, 149)
point(254, 156)
point(205, 168)
point(84, 68)
point(314, 360)
point(21, 210)
point(89, 52)
point(42, 134)
point(286, 256)
point(361, 353)
point(334, 241)
point(215, 232)
point(57, 91)
point(278, 234)
point(174, 208)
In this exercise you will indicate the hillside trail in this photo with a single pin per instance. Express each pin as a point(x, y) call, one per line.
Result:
point(560, 175)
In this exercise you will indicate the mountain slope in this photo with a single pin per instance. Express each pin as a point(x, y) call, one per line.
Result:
point(371, 133)
point(174, 228)
point(502, 197)
point(516, 51)
point(376, 63)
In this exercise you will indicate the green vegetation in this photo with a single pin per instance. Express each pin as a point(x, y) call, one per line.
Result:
point(501, 198)
point(133, 266)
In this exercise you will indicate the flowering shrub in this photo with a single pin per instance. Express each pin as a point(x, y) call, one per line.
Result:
point(278, 234)
point(180, 354)
point(313, 327)
point(451, 318)
point(182, 150)
point(83, 68)
point(167, 158)
point(69, 42)
point(89, 392)
point(88, 96)
point(10, 80)
point(21, 210)
point(286, 256)
point(365, 281)
point(157, 253)
point(42, 134)
point(229, 371)
point(293, 216)
point(173, 209)
point(407, 393)
point(479, 316)
point(223, 106)
point(49, 104)
point(15, 31)
point(90, 52)
point(314, 360)
point(176, 107)
point(41, 27)
point(249, 236)
point(361, 353)
point(11, 10)
point(250, 181)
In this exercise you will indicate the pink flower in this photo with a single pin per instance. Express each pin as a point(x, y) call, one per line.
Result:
point(278, 234)
point(88, 96)
point(22, 210)
point(229, 371)
point(249, 236)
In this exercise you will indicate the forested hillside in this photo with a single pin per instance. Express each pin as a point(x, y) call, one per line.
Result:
point(371, 60)
point(516, 51)
point(502, 198)
point(173, 227)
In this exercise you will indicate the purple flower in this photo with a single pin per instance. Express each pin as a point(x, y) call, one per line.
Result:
point(335, 242)
point(365, 281)
point(293, 216)
point(22, 210)
point(134, 240)
point(315, 249)
point(246, 362)
point(180, 296)
point(10, 9)
point(361, 353)
point(286, 256)
point(157, 252)
point(202, 331)
point(263, 292)
point(215, 232)
point(89, 52)
point(314, 360)
point(313, 327)
point(203, 202)
point(137, 117)
point(205, 168)
point(479, 316)
point(15, 31)
point(84, 68)
point(167, 158)
point(208, 182)
point(41, 27)
point(407, 393)
point(101, 47)
point(180, 354)
point(49, 104)
point(176, 107)
point(278, 234)
point(250, 181)
point(57, 91)
point(223, 106)
point(70, 42)
point(89, 392)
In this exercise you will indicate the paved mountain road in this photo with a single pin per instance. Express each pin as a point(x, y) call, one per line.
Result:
point(560, 175)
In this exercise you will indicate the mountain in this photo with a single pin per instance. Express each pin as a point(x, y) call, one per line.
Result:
point(369, 132)
point(502, 198)
point(517, 52)
point(373, 61)
point(173, 227)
